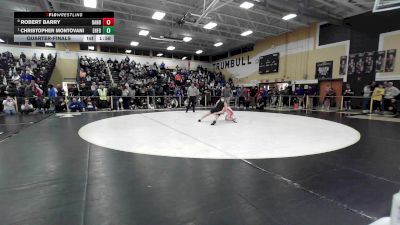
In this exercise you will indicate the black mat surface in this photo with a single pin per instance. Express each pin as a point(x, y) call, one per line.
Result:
point(10, 125)
point(49, 175)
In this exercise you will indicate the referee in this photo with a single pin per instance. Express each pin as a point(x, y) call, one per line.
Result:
point(192, 93)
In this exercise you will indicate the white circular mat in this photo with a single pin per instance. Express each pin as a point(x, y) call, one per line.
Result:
point(256, 135)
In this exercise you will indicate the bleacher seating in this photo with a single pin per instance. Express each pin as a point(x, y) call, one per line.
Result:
point(16, 73)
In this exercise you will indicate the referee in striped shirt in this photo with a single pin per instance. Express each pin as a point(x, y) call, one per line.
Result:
point(192, 93)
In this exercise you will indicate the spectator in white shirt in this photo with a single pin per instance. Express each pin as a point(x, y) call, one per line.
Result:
point(15, 77)
point(27, 107)
point(9, 106)
point(390, 93)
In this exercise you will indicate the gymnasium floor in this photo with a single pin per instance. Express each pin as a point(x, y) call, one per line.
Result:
point(227, 174)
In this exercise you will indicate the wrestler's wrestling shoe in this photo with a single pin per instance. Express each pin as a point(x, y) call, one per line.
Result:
point(214, 122)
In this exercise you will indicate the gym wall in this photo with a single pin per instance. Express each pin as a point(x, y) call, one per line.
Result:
point(299, 54)
point(388, 41)
point(29, 51)
point(301, 49)
point(365, 32)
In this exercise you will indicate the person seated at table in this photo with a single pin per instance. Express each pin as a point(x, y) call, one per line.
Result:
point(90, 105)
point(9, 106)
point(76, 105)
point(27, 107)
point(60, 105)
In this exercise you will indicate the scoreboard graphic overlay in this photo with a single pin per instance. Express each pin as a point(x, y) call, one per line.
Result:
point(64, 26)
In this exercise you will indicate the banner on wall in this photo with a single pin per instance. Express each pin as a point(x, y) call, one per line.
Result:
point(352, 65)
point(343, 65)
point(323, 70)
point(369, 62)
point(380, 61)
point(360, 60)
point(231, 63)
point(390, 59)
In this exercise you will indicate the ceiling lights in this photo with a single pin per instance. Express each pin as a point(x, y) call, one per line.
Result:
point(170, 48)
point(248, 32)
point(184, 58)
point(134, 43)
point(218, 44)
point(210, 25)
point(246, 5)
point(128, 51)
point(187, 39)
point(199, 52)
point(49, 44)
point(289, 16)
point(158, 15)
point(91, 48)
point(143, 32)
point(90, 3)
point(159, 54)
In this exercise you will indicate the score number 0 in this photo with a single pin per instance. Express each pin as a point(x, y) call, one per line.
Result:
point(108, 25)
point(108, 21)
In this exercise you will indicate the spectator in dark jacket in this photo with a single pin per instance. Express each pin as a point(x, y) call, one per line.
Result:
point(29, 90)
point(253, 96)
point(60, 105)
point(43, 104)
point(11, 90)
point(347, 93)
point(60, 91)
point(85, 91)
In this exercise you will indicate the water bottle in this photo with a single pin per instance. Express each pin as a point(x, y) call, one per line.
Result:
point(395, 214)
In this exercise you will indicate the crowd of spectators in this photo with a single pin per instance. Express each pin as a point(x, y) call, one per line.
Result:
point(22, 78)
point(155, 86)
point(135, 82)
point(381, 98)
point(125, 84)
